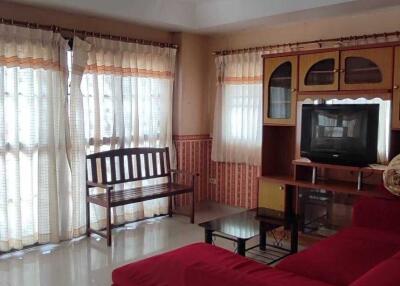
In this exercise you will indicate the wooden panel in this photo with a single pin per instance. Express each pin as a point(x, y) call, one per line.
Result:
point(271, 195)
point(394, 144)
point(278, 150)
point(396, 91)
point(382, 57)
point(384, 94)
point(270, 65)
point(308, 61)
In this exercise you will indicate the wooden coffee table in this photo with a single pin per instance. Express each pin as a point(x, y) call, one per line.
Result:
point(245, 225)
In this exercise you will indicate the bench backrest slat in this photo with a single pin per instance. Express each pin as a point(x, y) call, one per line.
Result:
point(121, 167)
point(146, 165)
point(133, 165)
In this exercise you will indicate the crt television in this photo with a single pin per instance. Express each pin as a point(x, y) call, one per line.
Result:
point(345, 134)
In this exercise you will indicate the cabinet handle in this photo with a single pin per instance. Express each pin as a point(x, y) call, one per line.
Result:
point(281, 188)
point(293, 90)
point(396, 87)
point(335, 70)
point(341, 70)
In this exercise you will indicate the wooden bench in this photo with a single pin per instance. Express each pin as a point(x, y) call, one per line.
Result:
point(109, 170)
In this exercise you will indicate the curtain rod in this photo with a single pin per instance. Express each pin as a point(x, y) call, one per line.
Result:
point(319, 42)
point(83, 33)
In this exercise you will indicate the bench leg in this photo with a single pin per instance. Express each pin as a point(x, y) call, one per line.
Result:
point(109, 228)
point(170, 206)
point(87, 218)
point(193, 201)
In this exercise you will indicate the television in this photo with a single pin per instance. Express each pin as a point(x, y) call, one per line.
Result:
point(344, 134)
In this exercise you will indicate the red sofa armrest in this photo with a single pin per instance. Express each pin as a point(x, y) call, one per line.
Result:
point(376, 213)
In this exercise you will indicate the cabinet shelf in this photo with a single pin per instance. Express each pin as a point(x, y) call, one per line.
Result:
point(321, 72)
point(282, 78)
point(336, 186)
point(369, 69)
point(375, 168)
point(281, 102)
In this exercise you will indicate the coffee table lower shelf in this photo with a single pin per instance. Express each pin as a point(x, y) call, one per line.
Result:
point(246, 225)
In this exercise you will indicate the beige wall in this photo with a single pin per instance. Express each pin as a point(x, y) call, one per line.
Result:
point(385, 20)
point(191, 103)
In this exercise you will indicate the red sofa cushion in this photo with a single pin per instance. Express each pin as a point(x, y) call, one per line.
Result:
point(377, 213)
point(344, 257)
point(202, 274)
point(385, 273)
point(203, 264)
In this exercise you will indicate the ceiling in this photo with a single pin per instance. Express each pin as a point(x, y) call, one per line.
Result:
point(211, 16)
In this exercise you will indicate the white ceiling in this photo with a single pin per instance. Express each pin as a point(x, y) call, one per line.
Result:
point(208, 16)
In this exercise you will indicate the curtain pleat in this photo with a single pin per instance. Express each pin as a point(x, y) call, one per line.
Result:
point(33, 161)
point(73, 202)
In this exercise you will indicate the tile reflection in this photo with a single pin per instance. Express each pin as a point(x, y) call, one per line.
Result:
point(88, 261)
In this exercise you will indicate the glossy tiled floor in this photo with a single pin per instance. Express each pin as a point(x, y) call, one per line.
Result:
point(88, 261)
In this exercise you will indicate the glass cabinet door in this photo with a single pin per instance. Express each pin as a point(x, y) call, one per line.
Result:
point(396, 91)
point(366, 69)
point(319, 72)
point(279, 90)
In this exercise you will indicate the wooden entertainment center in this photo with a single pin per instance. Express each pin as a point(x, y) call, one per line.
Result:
point(368, 71)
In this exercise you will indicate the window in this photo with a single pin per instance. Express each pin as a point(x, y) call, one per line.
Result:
point(243, 106)
point(238, 109)
point(111, 118)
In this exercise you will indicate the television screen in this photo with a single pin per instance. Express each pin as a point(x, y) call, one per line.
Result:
point(340, 133)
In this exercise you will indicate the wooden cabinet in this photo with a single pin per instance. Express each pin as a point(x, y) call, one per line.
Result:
point(319, 71)
point(280, 81)
point(271, 195)
point(396, 91)
point(358, 69)
point(366, 69)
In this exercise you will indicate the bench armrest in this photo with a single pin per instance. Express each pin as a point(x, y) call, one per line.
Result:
point(187, 174)
point(99, 185)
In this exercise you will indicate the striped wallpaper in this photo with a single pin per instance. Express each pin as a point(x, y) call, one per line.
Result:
point(228, 183)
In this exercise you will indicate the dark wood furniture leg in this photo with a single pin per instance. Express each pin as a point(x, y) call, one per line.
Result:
point(193, 203)
point(208, 236)
point(263, 236)
point(109, 228)
point(294, 236)
point(170, 206)
point(241, 247)
point(87, 213)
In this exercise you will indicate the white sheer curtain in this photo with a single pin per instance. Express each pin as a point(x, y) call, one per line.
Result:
point(238, 109)
point(72, 206)
point(33, 162)
point(127, 102)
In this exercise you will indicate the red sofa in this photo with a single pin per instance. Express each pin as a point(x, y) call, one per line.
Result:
point(366, 254)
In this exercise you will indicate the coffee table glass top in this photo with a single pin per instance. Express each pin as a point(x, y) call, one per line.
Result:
point(243, 225)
